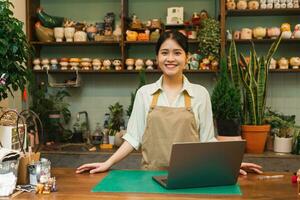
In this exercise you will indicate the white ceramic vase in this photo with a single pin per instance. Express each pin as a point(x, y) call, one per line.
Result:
point(59, 34)
point(69, 33)
point(283, 145)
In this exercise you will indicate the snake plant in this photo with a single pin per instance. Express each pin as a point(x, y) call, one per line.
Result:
point(251, 76)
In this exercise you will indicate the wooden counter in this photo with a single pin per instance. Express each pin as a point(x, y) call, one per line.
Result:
point(78, 186)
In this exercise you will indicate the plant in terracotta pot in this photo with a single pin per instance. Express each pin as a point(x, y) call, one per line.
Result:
point(115, 121)
point(226, 106)
point(283, 128)
point(15, 52)
point(251, 77)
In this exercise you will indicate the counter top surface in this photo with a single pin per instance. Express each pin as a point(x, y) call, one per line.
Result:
point(78, 186)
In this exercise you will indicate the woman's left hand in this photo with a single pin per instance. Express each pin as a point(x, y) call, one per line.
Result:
point(250, 167)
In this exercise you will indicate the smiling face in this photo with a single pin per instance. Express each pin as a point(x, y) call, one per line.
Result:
point(171, 58)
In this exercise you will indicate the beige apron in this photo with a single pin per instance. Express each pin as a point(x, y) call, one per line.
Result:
point(165, 126)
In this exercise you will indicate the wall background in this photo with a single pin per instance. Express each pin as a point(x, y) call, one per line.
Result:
point(98, 91)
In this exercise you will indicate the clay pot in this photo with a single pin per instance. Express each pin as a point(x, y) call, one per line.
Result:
point(59, 34)
point(241, 5)
point(259, 32)
point(253, 5)
point(246, 34)
point(255, 137)
point(295, 62)
point(273, 32)
point(69, 33)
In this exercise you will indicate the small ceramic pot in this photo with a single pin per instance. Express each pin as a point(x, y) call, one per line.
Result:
point(149, 64)
point(74, 65)
point(54, 64)
point(80, 36)
point(106, 64)
point(277, 5)
point(273, 64)
point(283, 63)
point(270, 5)
point(230, 5)
point(295, 62)
point(237, 35)
point(69, 33)
point(45, 64)
point(59, 34)
point(259, 32)
point(241, 5)
point(296, 33)
point(286, 34)
point(246, 34)
point(64, 65)
point(129, 63)
point(96, 64)
point(139, 64)
point(263, 6)
point(273, 32)
point(117, 63)
point(91, 32)
point(253, 5)
point(37, 63)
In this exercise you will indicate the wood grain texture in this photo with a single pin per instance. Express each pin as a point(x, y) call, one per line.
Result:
point(78, 186)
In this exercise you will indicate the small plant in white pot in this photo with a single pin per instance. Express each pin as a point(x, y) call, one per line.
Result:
point(283, 128)
point(115, 121)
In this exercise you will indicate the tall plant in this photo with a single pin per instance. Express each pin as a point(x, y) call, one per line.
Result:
point(15, 51)
point(253, 76)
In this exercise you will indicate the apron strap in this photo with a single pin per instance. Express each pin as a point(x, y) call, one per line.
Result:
point(155, 99)
point(187, 100)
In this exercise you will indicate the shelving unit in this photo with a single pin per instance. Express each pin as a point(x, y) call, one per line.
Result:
point(225, 14)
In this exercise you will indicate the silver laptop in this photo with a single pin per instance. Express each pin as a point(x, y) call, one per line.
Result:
point(203, 164)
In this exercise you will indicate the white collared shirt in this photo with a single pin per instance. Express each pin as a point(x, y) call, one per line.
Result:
point(200, 103)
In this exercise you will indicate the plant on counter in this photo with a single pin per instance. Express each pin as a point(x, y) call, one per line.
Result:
point(15, 51)
point(210, 38)
point(226, 104)
point(251, 77)
point(116, 118)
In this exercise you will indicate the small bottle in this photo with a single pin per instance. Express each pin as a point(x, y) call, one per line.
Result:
point(105, 128)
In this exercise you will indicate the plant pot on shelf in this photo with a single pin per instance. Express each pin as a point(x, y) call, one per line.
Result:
point(255, 136)
point(111, 139)
point(283, 145)
point(228, 130)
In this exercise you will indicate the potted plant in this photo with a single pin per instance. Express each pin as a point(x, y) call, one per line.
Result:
point(283, 128)
point(115, 121)
point(226, 106)
point(253, 76)
point(15, 51)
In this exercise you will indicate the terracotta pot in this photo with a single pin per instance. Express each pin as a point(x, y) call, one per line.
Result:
point(255, 137)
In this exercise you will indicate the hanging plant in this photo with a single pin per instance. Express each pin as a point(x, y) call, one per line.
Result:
point(14, 52)
point(209, 38)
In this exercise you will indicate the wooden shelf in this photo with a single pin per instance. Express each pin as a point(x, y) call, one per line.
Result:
point(265, 41)
point(264, 12)
point(116, 72)
point(284, 70)
point(154, 42)
point(88, 43)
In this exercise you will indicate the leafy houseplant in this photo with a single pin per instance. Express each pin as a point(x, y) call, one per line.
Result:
point(226, 104)
point(116, 118)
point(253, 76)
point(15, 51)
point(209, 38)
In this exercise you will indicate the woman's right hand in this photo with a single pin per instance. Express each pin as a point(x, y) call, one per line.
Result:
point(93, 167)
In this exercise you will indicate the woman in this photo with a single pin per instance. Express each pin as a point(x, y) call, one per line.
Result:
point(167, 111)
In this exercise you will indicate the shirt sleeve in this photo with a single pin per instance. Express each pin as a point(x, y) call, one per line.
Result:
point(136, 123)
point(206, 120)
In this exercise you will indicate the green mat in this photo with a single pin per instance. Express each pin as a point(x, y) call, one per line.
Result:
point(139, 181)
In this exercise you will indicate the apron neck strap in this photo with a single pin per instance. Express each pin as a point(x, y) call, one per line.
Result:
point(187, 99)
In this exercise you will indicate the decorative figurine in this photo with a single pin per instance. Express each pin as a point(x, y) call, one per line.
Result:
point(117, 63)
point(59, 34)
point(175, 15)
point(286, 31)
point(91, 31)
point(135, 23)
point(263, 6)
point(149, 64)
point(241, 5)
point(44, 34)
point(155, 23)
point(259, 32)
point(273, 64)
point(139, 64)
point(204, 65)
point(130, 63)
point(37, 63)
point(131, 35)
point(228, 35)
point(154, 35)
point(54, 63)
point(295, 62)
point(214, 65)
point(64, 62)
point(203, 15)
point(80, 36)
point(143, 37)
point(117, 32)
point(106, 64)
point(296, 33)
point(86, 63)
point(273, 32)
point(196, 20)
point(96, 64)
point(69, 34)
point(253, 5)
point(246, 34)
point(47, 189)
point(230, 4)
point(74, 63)
point(45, 64)
point(283, 63)
point(39, 188)
point(237, 35)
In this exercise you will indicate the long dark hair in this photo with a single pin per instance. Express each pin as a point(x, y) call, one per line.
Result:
point(178, 37)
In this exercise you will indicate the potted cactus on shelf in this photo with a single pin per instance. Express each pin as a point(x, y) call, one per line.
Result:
point(251, 77)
